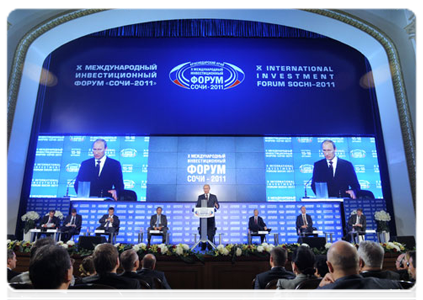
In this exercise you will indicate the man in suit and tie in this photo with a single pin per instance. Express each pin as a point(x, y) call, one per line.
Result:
point(371, 256)
point(71, 225)
point(158, 222)
point(278, 259)
point(357, 222)
point(51, 273)
point(339, 174)
point(304, 222)
point(11, 264)
point(49, 221)
point(343, 265)
point(256, 223)
point(148, 272)
point(211, 202)
point(106, 262)
point(104, 173)
point(109, 223)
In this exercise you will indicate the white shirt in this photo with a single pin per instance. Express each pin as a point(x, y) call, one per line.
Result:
point(110, 223)
point(102, 162)
point(334, 163)
point(358, 220)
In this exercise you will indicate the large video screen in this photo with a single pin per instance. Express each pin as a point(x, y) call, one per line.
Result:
point(175, 168)
point(58, 158)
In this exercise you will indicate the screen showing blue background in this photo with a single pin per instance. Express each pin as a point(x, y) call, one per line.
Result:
point(175, 168)
point(128, 82)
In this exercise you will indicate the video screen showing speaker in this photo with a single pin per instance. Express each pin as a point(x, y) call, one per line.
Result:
point(58, 159)
point(175, 168)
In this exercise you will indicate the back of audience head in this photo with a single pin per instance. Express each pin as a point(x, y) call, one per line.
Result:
point(371, 256)
point(41, 243)
point(11, 259)
point(278, 257)
point(321, 266)
point(149, 262)
point(342, 259)
point(51, 268)
point(87, 267)
point(303, 260)
point(412, 264)
point(129, 260)
point(106, 259)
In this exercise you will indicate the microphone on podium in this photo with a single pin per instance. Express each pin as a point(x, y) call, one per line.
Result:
point(305, 188)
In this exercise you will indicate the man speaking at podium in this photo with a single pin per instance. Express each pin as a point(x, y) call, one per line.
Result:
point(211, 202)
point(339, 174)
point(104, 173)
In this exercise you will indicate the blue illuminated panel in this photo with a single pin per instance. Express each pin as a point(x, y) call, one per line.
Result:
point(231, 219)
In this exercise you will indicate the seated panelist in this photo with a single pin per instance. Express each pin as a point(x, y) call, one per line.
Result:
point(109, 223)
point(256, 224)
point(158, 221)
point(304, 222)
point(71, 225)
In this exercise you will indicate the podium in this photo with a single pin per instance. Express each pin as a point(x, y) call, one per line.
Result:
point(203, 213)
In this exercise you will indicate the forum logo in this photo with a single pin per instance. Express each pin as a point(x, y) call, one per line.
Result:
point(207, 75)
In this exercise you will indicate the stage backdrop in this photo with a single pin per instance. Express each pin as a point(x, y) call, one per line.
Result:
point(239, 169)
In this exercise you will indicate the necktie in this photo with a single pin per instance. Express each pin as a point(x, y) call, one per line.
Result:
point(73, 220)
point(304, 220)
point(49, 220)
point(331, 167)
point(97, 167)
point(255, 220)
point(158, 221)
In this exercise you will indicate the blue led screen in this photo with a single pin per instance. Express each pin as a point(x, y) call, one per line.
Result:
point(169, 169)
point(203, 86)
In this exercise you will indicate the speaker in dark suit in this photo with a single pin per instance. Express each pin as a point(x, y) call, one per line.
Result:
point(71, 225)
point(339, 174)
point(104, 173)
point(158, 222)
point(48, 222)
point(211, 202)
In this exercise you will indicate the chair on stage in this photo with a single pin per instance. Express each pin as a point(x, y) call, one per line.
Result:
point(19, 289)
point(270, 289)
point(389, 295)
point(112, 235)
point(309, 284)
point(261, 234)
point(159, 233)
point(96, 291)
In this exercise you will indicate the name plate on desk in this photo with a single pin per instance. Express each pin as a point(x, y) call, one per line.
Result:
point(370, 231)
point(51, 230)
point(100, 231)
point(204, 212)
point(318, 232)
point(91, 199)
point(155, 231)
point(263, 232)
